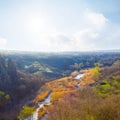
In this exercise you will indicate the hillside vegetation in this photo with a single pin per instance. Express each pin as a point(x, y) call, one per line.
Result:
point(16, 88)
point(64, 86)
point(55, 65)
point(29, 75)
point(100, 102)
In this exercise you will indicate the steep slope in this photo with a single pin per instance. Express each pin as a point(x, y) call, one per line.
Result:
point(99, 102)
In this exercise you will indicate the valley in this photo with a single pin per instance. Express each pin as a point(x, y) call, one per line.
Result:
point(32, 84)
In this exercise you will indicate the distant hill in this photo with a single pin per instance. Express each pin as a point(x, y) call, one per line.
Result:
point(55, 65)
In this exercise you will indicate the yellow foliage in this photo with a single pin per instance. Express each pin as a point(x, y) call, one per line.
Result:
point(73, 74)
point(56, 95)
point(41, 96)
point(64, 85)
point(89, 77)
point(58, 87)
point(41, 112)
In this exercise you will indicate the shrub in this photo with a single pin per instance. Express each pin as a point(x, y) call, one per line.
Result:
point(26, 112)
point(86, 105)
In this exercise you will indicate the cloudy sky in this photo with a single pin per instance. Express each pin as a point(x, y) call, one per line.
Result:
point(59, 25)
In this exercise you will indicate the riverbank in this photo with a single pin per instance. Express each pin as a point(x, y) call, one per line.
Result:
point(58, 89)
point(98, 101)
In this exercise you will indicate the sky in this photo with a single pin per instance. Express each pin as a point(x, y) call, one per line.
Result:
point(59, 25)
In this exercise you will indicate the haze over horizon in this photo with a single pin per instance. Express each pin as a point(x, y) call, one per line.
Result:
point(55, 26)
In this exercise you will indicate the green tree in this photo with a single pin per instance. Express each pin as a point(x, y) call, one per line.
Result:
point(12, 72)
point(26, 112)
point(116, 63)
point(78, 66)
point(97, 64)
point(4, 98)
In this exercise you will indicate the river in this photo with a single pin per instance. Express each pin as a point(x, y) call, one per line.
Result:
point(47, 102)
point(77, 77)
point(40, 105)
point(80, 75)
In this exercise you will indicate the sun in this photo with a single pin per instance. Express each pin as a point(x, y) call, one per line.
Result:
point(35, 23)
point(40, 23)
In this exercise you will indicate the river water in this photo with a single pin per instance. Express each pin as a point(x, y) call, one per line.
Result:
point(80, 75)
point(40, 105)
point(77, 77)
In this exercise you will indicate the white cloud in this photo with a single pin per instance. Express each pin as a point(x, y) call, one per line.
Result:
point(46, 28)
point(90, 35)
point(62, 42)
point(82, 40)
point(85, 39)
point(54, 42)
point(41, 34)
point(86, 34)
point(95, 19)
point(3, 42)
point(93, 33)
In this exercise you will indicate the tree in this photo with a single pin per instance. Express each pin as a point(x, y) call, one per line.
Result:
point(11, 69)
point(78, 66)
point(97, 64)
point(26, 112)
point(4, 98)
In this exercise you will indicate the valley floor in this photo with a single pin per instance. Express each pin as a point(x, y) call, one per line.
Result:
point(96, 98)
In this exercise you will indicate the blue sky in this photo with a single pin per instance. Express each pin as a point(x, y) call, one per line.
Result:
point(59, 25)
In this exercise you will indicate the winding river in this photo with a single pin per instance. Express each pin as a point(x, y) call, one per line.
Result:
point(40, 105)
point(47, 102)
